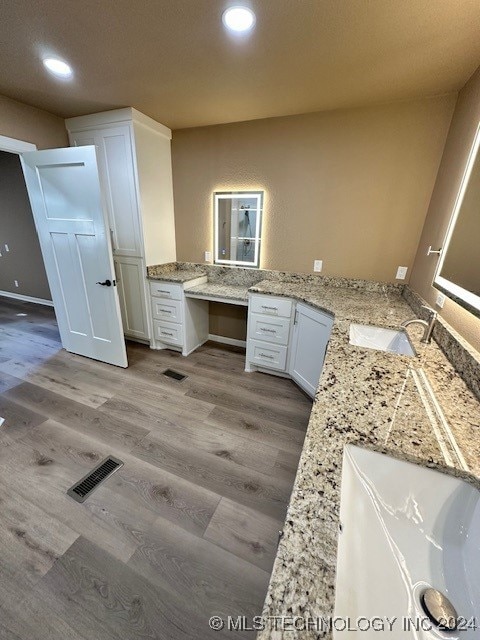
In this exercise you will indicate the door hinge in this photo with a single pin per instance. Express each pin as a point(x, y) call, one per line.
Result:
point(295, 320)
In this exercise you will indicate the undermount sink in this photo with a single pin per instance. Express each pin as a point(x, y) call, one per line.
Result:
point(363, 335)
point(406, 530)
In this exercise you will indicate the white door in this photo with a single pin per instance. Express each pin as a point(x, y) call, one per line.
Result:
point(64, 191)
point(309, 345)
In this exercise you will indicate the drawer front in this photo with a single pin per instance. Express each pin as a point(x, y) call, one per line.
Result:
point(264, 354)
point(168, 332)
point(166, 290)
point(170, 310)
point(268, 305)
point(274, 330)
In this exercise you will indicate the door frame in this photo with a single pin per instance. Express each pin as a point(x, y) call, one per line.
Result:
point(13, 145)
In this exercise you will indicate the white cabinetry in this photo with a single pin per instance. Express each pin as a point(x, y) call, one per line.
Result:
point(269, 326)
point(310, 337)
point(134, 162)
point(179, 323)
point(288, 339)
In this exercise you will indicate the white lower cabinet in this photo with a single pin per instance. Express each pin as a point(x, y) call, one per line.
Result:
point(130, 274)
point(284, 345)
point(179, 323)
point(311, 333)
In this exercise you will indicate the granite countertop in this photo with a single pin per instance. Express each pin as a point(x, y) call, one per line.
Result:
point(227, 291)
point(370, 398)
point(179, 275)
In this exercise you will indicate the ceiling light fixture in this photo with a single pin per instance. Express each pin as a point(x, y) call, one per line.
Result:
point(58, 68)
point(239, 19)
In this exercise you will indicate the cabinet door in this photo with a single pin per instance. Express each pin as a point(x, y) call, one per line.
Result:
point(133, 303)
point(117, 173)
point(309, 345)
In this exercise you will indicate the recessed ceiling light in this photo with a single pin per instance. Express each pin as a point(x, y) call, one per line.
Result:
point(58, 67)
point(239, 19)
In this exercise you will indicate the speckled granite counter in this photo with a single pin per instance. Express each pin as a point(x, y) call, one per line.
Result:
point(174, 274)
point(365, 397)
point(214, 290)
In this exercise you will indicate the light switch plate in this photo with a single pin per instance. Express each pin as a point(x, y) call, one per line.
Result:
point(401, 273)
point(318, 265)
point(208, 256)
point(15, 282)
point(440, 301)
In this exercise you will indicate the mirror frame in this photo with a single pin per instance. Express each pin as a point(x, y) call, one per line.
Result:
point(455, 292)
point(224, 195)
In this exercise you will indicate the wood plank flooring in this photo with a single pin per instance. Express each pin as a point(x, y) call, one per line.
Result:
point(186, 529)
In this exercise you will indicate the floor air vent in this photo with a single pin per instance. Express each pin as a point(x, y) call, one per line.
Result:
point(82, 489)
point(170, 373)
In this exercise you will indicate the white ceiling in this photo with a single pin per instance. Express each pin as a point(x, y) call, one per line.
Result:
point(173, 60)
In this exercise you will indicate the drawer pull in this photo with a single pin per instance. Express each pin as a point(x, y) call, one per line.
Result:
point(264, 355)
point(267, 330)
point(165, 311)
point(167, 333)
point(264, 306)
point(165, 292)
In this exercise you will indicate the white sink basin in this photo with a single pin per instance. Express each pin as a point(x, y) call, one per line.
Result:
point(363, 335)
point(404, 529)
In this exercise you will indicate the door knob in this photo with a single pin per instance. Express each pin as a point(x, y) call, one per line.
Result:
point(107, 283)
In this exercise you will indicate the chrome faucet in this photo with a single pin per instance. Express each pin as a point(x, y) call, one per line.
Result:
point(427, 334)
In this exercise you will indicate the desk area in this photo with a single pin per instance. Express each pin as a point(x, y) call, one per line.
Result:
point(215, 292)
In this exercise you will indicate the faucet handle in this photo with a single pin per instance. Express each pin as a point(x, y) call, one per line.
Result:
point(431, 311)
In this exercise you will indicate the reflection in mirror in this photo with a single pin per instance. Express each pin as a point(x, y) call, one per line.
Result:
point(237, 223)
point(458, 271)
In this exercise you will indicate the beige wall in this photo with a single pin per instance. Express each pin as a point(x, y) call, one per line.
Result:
point(20, 121)
point(462, 131)
point(23, 262)
point(349, 187)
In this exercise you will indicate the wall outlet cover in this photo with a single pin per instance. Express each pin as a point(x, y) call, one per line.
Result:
point(401, 273)
point(208, 256)
point(440, 301)
point(15, 282)
point(317, 265)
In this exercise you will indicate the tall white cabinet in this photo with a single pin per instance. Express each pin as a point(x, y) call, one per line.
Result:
point(134, 160)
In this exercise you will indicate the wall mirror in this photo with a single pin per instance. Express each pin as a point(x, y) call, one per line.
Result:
point(458, 270)
point(238, 227)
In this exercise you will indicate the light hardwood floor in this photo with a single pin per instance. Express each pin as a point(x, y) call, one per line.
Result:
point(188, 527)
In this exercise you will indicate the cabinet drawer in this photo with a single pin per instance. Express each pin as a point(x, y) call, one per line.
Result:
point(168, 332)
point(269, 329)
point(267, 355)
point(268, 305)
point(166, 290)
point(170, 310)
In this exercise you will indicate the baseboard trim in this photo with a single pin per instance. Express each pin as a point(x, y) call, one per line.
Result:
point(224, 340)
point(19, 296)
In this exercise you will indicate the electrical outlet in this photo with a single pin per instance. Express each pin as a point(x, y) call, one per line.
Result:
point(401, 273)
point(317, 265)
point(208, 256)
point(15, 282)
point(6, 248)
point(440, 301)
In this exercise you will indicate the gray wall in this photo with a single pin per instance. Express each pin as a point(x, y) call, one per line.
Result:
point(24, 261)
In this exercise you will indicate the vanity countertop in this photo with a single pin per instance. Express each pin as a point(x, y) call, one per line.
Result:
point(216, 290)
point(370, 398)
point(177, 275)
